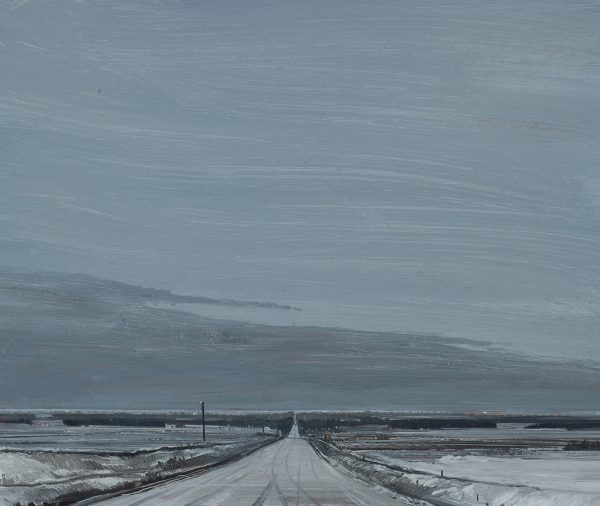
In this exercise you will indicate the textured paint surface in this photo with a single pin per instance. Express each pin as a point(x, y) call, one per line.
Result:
point(411, 167)
point(86, 342)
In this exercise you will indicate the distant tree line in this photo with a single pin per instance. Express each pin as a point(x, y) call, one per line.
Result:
point(327, 424)
point(584, 445)
point(442, 423)
point(332, 423)
point(279, 421)
point(568, 425)
point(10, 419)
point(284, 425)
point(120, 422)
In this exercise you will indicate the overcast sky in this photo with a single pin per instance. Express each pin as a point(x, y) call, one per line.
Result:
point(409, 166)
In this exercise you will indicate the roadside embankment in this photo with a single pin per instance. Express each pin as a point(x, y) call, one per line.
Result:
point(61, 478)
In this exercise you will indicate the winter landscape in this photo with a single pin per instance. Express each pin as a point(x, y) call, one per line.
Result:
point(365, 234)
point(313, 458)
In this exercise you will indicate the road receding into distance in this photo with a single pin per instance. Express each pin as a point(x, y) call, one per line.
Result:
point(287, 473)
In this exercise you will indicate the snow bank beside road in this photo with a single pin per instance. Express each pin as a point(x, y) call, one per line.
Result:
point(22, 469)
point(572, 478)
point(46, 476)
point(499, 495)
point(569, 472)
point(543, 478)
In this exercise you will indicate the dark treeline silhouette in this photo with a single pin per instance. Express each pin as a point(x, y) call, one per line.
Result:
point(442, 423)
point(583, 445)
point(332, 424)
point(116, 421)
point(336, 423)
point(15, 419)
point(566, 424)
point(280, 421)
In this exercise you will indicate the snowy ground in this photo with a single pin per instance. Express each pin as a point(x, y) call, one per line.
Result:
point(509, 466)
point(285, 473)
point(79, 465)
point(495, 464)
point(101, 439)
point(544, 478)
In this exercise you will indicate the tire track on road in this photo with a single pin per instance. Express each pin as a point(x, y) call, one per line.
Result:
point(299, 487)
point(282, 498)
point(263, 496)
point(323, 487)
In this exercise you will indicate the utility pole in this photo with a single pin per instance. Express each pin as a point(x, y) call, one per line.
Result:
point(203, 424)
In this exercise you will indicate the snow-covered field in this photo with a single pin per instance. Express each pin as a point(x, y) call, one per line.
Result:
point(100, 458)
point(505, 466)
point(541, 478)
point(288, 472)
point(510, 465)
point(103, 439)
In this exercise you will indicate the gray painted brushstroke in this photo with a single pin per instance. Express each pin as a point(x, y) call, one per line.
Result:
point(53, 282)
point(167, 296)
point(73, 341)
point(415, 165)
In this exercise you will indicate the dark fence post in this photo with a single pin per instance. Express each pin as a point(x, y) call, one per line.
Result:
point(203, 424)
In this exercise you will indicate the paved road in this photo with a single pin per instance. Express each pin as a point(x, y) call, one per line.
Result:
point(287, 473)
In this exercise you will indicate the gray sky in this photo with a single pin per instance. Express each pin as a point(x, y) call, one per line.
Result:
point(383, 165)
